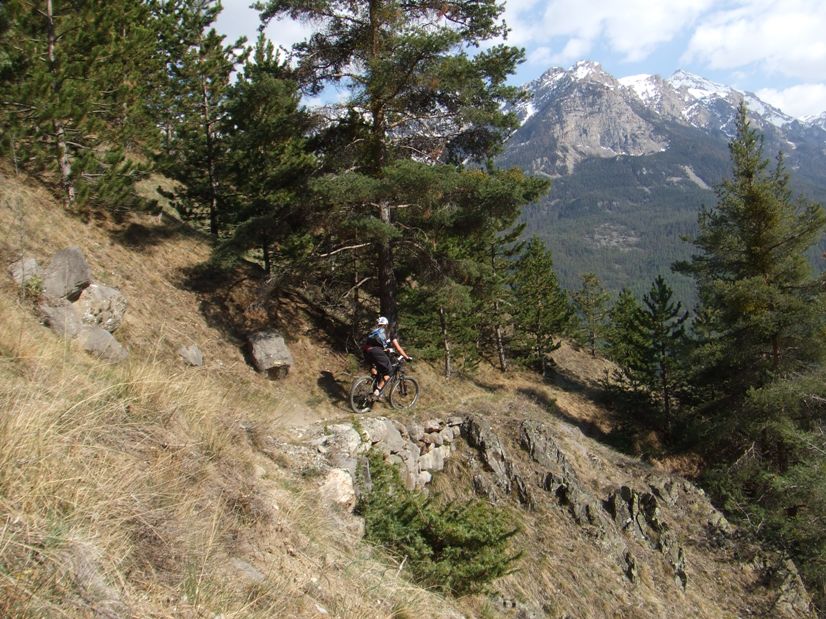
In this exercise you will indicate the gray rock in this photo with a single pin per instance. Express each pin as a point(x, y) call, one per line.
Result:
point(446, 435)
point(480, 435)
point(63, 319)
point(67, 275)
point(383, 433)
point(102, 306)
point(191, 355)
point(432, 425)
point(434, 460)
point(342, 445)
point(102, 344)
point(270, 353)
point(415, 430)
point(535, 438)
point(338, 489)
point(24, 270)
point(246, 571)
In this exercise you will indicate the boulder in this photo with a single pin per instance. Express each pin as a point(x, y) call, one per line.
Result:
point(25, 270)
point(66, 276)
point(341, 445)
point(63, 319)
point(191, 355)
point(101, 306)
point(338, 489)
point(270, 353)
point(102, 344)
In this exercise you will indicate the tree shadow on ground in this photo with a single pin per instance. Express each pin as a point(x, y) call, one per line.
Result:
point(242, 300)
point(620, 437)
point(336, 390)
point(141, 237)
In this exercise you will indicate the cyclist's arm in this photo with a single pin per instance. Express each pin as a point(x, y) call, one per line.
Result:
point(399, 348)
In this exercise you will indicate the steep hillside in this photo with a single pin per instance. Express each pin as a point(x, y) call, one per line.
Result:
point(152, 489)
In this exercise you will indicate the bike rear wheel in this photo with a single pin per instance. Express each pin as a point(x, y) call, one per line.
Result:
point(404, 393)
point(361, 394)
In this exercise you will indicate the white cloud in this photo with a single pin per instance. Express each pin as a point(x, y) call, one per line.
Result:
point(633, 28)
point(238, 19)
point(779, 38)
point(799, 101)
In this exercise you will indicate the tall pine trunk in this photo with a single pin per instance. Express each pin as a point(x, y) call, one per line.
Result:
point(63, 158)
point(210, 153)
point(497, 330)
point(500, 344)
point(387, 277)
point(445, 342)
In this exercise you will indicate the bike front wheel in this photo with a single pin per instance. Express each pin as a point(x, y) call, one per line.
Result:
point(405, 393)
point(361, 394)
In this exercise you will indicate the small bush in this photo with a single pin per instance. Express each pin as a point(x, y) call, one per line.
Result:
point(456, 548)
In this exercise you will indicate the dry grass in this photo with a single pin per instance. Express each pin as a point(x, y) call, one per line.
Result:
point(138, 490)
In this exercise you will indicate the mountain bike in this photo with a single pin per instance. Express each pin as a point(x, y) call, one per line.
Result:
point(402, 390)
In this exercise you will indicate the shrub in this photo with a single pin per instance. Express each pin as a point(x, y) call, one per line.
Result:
point(454, 547)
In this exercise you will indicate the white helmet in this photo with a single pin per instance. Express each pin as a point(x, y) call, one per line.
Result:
point(382, 321)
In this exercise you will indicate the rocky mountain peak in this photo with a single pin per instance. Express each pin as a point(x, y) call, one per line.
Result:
point(628, 153)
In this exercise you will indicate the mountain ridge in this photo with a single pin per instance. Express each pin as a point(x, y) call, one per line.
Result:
point(640, 155)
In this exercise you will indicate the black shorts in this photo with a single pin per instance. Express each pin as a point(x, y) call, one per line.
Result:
point(375, 355)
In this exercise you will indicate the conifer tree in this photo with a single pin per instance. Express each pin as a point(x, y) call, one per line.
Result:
point(752, 275)
point(592, 300)
point(658, 340)
point(200, 66)
point(413, 92)
point(620, 326)
point(493, 291)
point(542, 310)
point(70, 95)
point(267, 165)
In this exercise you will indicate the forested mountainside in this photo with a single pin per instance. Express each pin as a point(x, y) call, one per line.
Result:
point(632, 162)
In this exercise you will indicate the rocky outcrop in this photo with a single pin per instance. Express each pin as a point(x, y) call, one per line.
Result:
point(102, 344)
point(418, 449)
point(632, 526)
point(66, 276)
point(270, 354)
point(72, 305)
point(25, 270)
point(638, 515)
point(101, 306)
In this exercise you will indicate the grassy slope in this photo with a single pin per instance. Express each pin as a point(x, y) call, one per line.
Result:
point(153, 490)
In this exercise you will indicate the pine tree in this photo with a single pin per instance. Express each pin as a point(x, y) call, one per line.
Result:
point(659, 341)
point(467, 215)
point(591, 300)
point(752, 274)
point(542, 311)
point(267, 166)
point(493, 291)
point(70, 97)
point(414, 92)
point(200, 66)
point(620, 326)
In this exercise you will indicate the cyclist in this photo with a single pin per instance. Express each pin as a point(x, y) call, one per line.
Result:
point(376, 345)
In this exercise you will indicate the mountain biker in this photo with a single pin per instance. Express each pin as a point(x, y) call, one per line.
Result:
point(376, 345)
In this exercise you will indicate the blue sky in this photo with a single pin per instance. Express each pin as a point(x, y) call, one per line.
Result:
point(774, 48)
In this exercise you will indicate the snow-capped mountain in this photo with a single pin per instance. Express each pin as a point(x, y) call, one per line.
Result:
point(633, 159)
